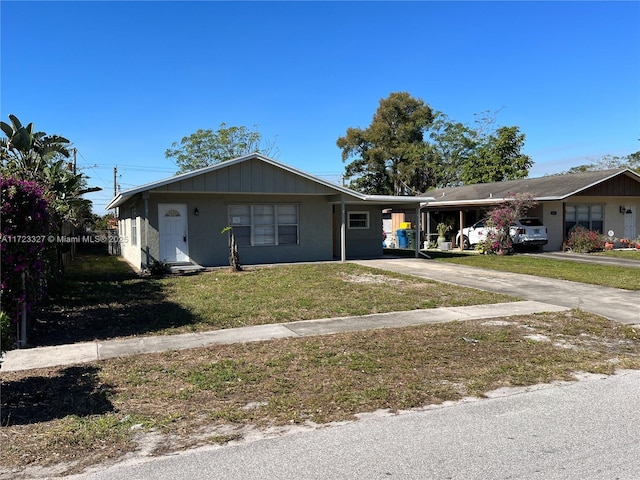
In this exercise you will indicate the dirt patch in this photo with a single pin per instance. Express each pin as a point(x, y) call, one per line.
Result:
point(370, 278)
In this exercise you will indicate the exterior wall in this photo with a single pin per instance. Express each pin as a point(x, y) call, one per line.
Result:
point(613, 218)
point(129, 250)
point(553, 218)
point(209, 247)
point(253, 176)
point(363, 242)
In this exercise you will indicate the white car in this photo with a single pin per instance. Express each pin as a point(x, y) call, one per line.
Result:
point(525, 232)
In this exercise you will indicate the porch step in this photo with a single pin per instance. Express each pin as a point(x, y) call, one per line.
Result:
point(185, 267)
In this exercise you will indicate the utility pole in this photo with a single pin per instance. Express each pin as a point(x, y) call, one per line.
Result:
point(75, 151)
point(115, 181)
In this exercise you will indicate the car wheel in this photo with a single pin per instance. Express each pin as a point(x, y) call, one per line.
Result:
point(465, 243)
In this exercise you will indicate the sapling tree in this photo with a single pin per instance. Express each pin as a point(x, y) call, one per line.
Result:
point(234, 257)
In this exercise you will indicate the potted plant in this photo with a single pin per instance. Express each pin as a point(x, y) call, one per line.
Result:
point(443, 229)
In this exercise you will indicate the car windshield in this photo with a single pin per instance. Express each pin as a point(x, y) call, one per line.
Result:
point(531, 222)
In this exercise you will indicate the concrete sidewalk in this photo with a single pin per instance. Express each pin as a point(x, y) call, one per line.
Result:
point(93, 351)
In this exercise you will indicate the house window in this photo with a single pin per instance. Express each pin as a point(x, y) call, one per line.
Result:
point(590, 217)
point(358, 220)
point(134, 227)
point(258, 225)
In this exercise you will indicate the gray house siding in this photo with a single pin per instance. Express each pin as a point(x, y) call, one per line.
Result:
point(180, 219)
point(252, 176)
point(209, 247)
point(365, 242)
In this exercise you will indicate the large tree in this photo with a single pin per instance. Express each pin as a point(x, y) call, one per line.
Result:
point(36, 156)
point(206, 147)
point(389, 155)
point(450, 145)
point(40, 158)
point(497, 158)
point(25, 153)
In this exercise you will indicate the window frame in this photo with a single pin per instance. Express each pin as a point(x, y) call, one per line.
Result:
point(258, 231)
point(351, 223)
point(590, 214)
point(134, 226)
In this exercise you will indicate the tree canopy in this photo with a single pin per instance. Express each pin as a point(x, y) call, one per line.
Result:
point(631, 161)
point(29, 155)
point(388, 154)
point(497, 157)
point(206, 147)
point(409, 149)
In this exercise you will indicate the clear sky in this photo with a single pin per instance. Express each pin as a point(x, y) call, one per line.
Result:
point(123, 80)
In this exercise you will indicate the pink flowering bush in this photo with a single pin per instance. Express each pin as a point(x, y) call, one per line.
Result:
point(24, 229)
point(499, 220)
point(583, 240)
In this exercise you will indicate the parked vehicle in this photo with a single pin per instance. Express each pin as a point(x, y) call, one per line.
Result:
point(525, 232)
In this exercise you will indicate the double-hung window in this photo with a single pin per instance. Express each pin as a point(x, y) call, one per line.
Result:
point(258, 225)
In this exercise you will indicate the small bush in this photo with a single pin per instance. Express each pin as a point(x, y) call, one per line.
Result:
point(6, 334)
point(582, 240)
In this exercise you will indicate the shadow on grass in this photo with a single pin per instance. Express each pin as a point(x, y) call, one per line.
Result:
point(75, 391)
point(101, 297)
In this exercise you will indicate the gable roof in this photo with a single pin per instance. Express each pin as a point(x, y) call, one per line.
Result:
point(324, 187)
point(553, 187)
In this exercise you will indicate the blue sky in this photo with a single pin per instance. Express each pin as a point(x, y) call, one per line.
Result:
point(123, 80)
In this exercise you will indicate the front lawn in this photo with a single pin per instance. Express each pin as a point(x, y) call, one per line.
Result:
point(627, 278)
point(102, 298)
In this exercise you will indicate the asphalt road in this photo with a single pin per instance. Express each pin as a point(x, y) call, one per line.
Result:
point(584, 430)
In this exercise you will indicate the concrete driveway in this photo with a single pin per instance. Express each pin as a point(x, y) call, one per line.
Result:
point(619, 305)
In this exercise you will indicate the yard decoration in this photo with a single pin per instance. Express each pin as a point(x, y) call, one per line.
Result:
point(443, 229)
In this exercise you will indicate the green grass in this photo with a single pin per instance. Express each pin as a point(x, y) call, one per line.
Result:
point(624, 254)
point(101, 298)
point(301, 292)
point(627, 278)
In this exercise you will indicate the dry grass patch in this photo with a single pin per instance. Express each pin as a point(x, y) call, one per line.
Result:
point(81, 415)
point(94, 305)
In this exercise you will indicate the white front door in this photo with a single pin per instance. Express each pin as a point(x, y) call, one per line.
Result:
point(630, 222)
point(174, 243)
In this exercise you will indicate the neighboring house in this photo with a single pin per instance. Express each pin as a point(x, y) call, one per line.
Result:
point(603, 201)
point(278, 214)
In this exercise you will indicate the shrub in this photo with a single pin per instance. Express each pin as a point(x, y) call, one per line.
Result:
point(6, 337)
point(582, 240)
point(159, 268)
point(499, 221)
point(24, 231)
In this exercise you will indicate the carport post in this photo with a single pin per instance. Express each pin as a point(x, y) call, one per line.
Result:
point(418, 226)
point(343, 232)
point(461, 227)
